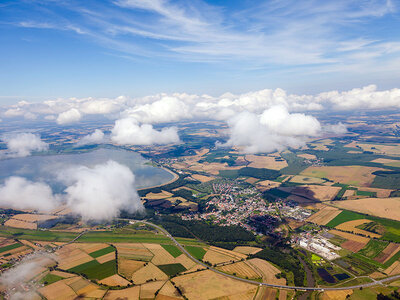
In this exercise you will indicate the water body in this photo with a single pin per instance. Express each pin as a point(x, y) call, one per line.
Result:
point(45, 168)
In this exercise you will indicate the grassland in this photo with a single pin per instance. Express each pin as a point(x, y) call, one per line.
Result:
point(196, 252)
point(102, 252)
point(172, 269)
point(373, 248)
point(10, 247)
point(50, 278)
point(173, 250)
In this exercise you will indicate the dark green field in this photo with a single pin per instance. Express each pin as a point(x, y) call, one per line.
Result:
point(173, 250)
point(172, 269)
point(94, 270)
point(343, 217)
point(10, 247)
point(196, 252)
point(102, 252)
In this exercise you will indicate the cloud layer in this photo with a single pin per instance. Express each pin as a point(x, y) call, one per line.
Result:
point(97, 137)
point(23, 144)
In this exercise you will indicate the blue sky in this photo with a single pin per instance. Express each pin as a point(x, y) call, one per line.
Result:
point(64, 48)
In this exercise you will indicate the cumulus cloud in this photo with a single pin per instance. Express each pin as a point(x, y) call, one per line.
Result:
point(20, 193)
point(275, 129)
point(70, 116)
point(100, 192)
point(23, 144)
point(167, 109)
point(97, 137)
point(128, 131)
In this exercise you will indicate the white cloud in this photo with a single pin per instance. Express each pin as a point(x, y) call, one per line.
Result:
point(129, 132)
point(100, 192)
point(20, 193)
point(97, 137)
point(70, 116)
point(275, 129)
point(167, 109)
point(22, 144)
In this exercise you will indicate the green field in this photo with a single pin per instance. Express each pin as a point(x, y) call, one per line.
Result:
point(343, 217)
point(196, 252)
point(94, 270)
point(172, 269)
point(366, 193)
point(10, 247)
point(50, 278)
point(173, 250)
point(373, 248)
point(102, 252)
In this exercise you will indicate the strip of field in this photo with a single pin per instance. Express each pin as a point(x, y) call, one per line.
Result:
point(133, 251)
point(380, 207)
point(394, 269)
point(267, 270)
point(352, 175)
point(387, 253)
point(202, 178)
point(129, 293)
point(247, 250)
point(351, 227)
point(324, 215)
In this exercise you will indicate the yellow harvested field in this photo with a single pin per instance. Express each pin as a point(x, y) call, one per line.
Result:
point(380, 207)
point(306, 179)
point(90, 247)
point(115, 280)
point(241, 269)
point(350, 236)
point(69, 257)
point(351, 226)
point(133, 251)
point(202, 178)
point(336, 295)
point(148, 290)
point(131, 293)
point(209, 285)
point(106, 257)
point(315, 192)
point(387, 162)
point(155, 196)
point(267, 162)
point(127, 267)
point(349, 193)
point(247, 250)
point(33, 217)
point(58, 290)
point(283, 294)
point(149, 272)
point(195, 268)
point(211, 168)
point(353, 175)
point(394, 269)
point(185, 261)
point(325, 215)
point(215, 257)
point(20, 224)
point(307, 156)
point(81, 286)
point(267, 270)
point(169, 290)
point(161, 256)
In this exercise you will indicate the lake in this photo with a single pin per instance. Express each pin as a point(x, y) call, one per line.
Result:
point(46, 167)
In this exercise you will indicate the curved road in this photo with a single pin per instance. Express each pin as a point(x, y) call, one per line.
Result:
point(302, 288)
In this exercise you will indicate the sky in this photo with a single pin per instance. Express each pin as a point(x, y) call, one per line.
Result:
point(65, 48)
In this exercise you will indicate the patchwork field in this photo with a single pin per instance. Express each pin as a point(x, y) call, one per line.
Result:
point(388, 253)
point(324, 215)
point(202, 178)
point(157, 196)
point(352, 175)
point(387, 162)
point(353, 242)
point(380, 207)
point(148, 272)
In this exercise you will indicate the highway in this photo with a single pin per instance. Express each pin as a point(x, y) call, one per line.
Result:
point(300, 288)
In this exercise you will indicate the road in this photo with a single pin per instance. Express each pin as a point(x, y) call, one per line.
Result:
point(300, 288)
